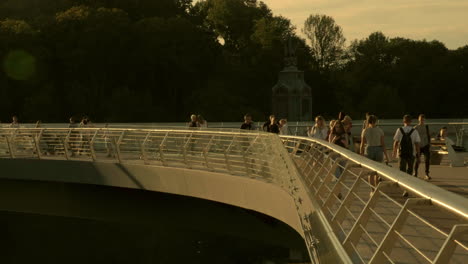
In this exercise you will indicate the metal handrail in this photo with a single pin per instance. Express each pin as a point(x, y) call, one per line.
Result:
point(450, 200)
point(318, 160)
point(306, 168)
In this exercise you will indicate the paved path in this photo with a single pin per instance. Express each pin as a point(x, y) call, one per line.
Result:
point(453, 179)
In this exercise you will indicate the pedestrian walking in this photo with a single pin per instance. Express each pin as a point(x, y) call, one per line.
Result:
point(425, 146)
point(373, 145)
point(193, 121)
point(248, 123)
point(406, 146)
point(266, 125)
point(273, 127)
point(283, 127)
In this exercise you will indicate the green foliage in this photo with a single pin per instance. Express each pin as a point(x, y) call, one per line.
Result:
point(326, 39)
point(234, 20)
point(272, 32)
point(19, 65)
point(394, 76)
point(147, 60)
point(13, 26)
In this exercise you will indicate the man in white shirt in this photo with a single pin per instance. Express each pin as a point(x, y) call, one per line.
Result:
point(407, 151)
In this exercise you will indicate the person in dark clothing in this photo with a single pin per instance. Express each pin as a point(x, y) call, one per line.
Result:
point(340, 138)
point(406, 145)
point(274, 127)
point(248, 123)
point(425, 146)
point(266, 125)
point(72, 123)
point(339, 135)
point(193, 121)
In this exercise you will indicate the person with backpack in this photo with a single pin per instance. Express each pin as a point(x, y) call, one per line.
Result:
point(425, 146)
point(406, 145)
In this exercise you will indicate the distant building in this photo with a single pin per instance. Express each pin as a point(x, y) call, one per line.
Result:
point(292, 97)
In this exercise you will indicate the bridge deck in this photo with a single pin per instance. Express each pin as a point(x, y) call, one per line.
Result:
point(451, 179)
point(361, 222)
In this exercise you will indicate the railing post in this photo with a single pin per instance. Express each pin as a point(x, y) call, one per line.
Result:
point(307, 155)
point(317, 157)
point(65, 148)
point(296, 147)
point(337, 187)
point(117, 150)
point(248, 166)
point(10, 147)
point(91, 146)
point(205, 152)
point(459, 131)
point(329, 178)
point(340, 213)
point(143, 150)
point(184, 150)
point(390, 237)
point(228, 167)
point(39, 137)
point(323, 167)
point(161, 152)
point(66, 143)
point(356, 232)
point(449, 246)
point(36, 145)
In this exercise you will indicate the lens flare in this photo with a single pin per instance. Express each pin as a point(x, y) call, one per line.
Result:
point(19, 65)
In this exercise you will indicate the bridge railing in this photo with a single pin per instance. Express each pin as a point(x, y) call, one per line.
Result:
point(377, 224)
point(228, 151)
point(341, 220)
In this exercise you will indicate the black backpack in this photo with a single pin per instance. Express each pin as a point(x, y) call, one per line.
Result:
point(406, 144)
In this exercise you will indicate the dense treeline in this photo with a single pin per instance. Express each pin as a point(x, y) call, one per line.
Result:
point(120, 60)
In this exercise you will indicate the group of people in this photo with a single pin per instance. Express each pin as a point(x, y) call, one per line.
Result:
point(272, 125)
point(410, 143)
point(197, 121)
point(85, 122)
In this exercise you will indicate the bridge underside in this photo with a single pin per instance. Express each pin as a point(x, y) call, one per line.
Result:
point(82, 223)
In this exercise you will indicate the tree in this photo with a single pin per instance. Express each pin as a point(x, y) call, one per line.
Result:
point(233, 20)
point(326, 39)
point(272, 31)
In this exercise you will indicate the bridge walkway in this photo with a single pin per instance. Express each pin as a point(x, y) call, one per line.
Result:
point(429, 226)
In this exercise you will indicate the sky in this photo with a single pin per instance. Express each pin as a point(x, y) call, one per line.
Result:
point(443, 20)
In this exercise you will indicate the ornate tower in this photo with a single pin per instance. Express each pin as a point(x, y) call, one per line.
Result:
point(292, 97)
